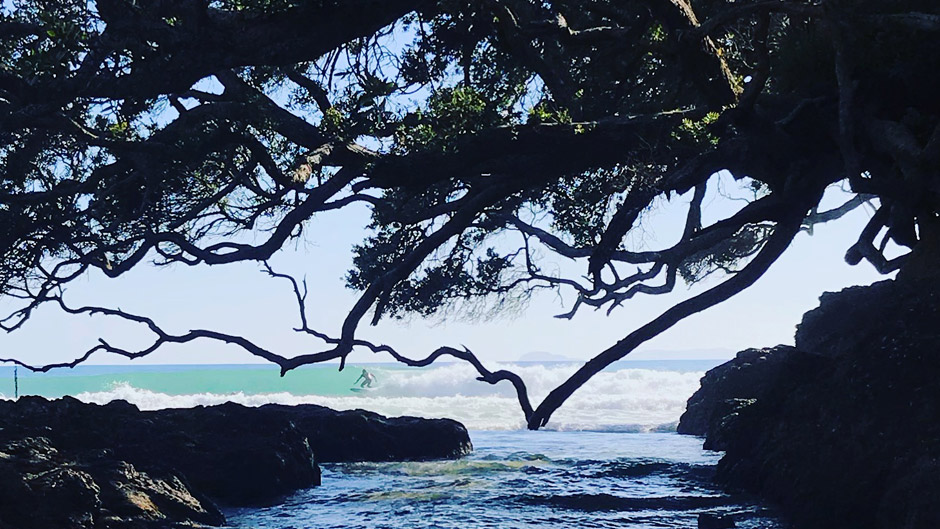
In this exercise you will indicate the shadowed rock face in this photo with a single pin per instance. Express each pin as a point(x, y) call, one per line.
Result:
point(338, 436)
point(745, 381)
point(843, 431)
point(41, 487)
point(233, 454)
point(115, 466)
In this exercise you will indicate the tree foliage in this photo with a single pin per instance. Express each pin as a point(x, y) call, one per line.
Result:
point(148, 129)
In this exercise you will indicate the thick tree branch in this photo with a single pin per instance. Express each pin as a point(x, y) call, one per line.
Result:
point(774, 247)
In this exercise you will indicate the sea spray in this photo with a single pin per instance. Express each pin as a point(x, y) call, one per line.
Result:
point(627, 399)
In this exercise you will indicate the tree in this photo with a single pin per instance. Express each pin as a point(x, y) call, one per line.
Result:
point(168, 130)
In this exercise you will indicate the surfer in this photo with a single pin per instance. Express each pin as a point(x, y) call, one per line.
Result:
point(368, 377)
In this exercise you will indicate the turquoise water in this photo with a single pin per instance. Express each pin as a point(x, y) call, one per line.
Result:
point(251, 379)
point(180, 380)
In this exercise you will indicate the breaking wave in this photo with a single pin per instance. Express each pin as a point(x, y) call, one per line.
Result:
point(629, 400)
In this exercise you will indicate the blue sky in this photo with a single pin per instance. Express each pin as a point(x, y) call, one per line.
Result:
point(240, 299)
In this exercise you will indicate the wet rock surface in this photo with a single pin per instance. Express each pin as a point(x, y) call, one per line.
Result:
point(750, 379)
point(843, 430)
point(43, 487)
point(68, 464)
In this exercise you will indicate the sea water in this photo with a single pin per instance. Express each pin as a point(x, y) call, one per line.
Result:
point(609, 457)
point(545, 479)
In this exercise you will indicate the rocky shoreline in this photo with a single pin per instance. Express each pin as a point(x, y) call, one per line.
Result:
point(67, 464)
point(842, 430)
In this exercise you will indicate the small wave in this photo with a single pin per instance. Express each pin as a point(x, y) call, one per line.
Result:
point(463, 467)
point(626, 400)
point(605, 387)
point(630, 469)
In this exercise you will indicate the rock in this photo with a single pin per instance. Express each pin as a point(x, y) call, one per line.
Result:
point(361, 435)
point(230, 453)
point(714, 521)
point(911, 500)
point(728, 422)
point(128, 494)
point(823, 329)
point(233, 454)
point(41, 488)
point(846, 432)
point(38, 490)
point(750, 376)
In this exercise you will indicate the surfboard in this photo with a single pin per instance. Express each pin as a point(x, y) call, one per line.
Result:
point(357, 390)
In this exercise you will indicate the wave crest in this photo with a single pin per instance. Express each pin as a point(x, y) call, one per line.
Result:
point(626, 400)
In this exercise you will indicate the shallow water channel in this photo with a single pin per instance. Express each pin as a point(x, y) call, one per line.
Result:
point(523, 479)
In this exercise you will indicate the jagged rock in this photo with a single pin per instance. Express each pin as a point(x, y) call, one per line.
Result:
point(170, 462)
point(846, 434)
point(845, 319)
point(128, 494)
point(361, 435)
point(40, 488)
point(234, 454)
point(729, 422)
point(744, 380)
point(228, 452)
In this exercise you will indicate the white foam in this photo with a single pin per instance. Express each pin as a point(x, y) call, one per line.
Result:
point(623, 400)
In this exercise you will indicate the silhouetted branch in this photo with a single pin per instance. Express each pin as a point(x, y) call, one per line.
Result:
point(773, 248)
point(490, 377)
point(161, 337)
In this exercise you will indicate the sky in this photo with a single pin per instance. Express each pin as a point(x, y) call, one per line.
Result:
point(241, 299)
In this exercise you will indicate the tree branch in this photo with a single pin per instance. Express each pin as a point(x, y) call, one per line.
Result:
point(775, 246)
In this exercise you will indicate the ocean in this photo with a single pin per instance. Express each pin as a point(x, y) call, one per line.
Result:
point(610, 456)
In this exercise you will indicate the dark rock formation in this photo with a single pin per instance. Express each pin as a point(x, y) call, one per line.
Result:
point(741, 382)
point(365, 436)
point(115, 466)
point(846, 433)
point(235, 455)
point(42, 488)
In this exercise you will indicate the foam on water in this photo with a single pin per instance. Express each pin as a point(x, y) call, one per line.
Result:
point(630, 400)
point(536, 480)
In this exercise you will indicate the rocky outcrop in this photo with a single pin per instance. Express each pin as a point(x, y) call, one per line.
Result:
point(40, 487)
point(235, 455)
point(114, 466)
point(750, 379)
point(843, 431)
point(337, 436)
point(366, 436)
